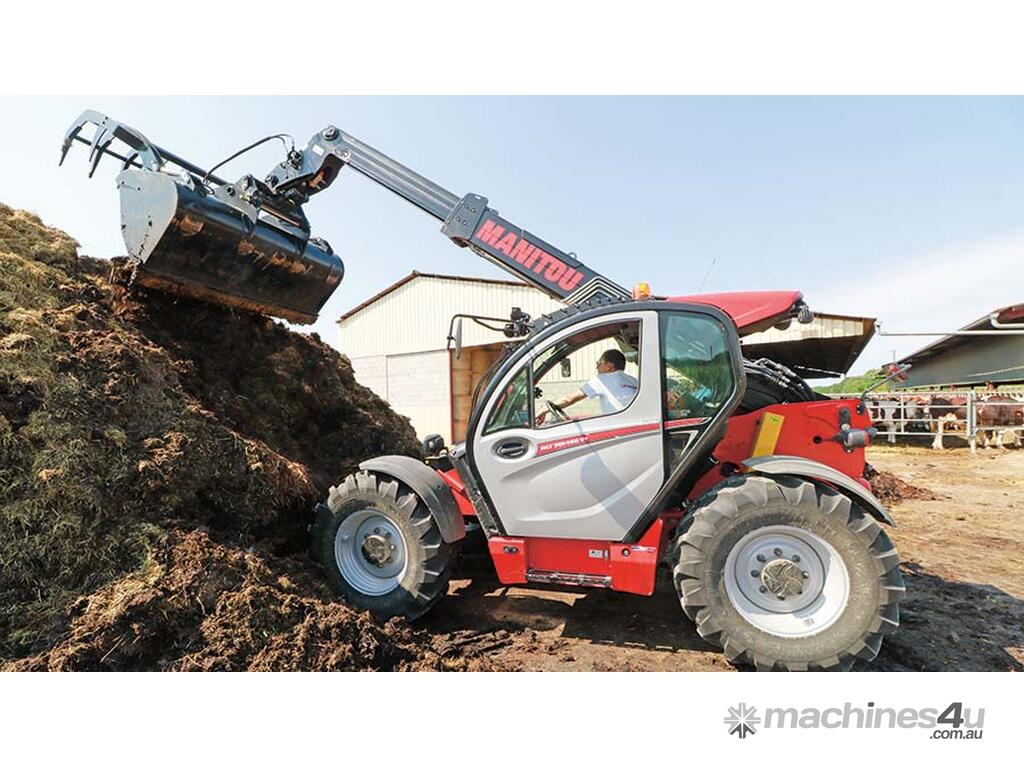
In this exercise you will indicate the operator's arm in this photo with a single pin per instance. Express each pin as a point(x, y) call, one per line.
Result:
point(572, 397)
point(564, 402)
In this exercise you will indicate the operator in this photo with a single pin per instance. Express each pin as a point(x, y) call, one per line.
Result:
point(612, 386)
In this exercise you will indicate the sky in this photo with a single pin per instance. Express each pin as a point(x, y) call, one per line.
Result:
point(905, 209)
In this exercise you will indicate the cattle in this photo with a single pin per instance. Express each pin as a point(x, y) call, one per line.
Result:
point(942, 414)
point(997, 415)
point(893, 415)
point(883, 414)
point(945, 414)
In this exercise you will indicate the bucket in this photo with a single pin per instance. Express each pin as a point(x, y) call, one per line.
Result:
point(190, 243)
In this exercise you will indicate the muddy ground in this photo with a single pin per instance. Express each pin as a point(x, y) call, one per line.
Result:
point(963, 565)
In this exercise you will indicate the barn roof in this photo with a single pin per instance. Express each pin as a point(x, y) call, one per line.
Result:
point(966, 360)
point(1011, 314)
point(413, 275)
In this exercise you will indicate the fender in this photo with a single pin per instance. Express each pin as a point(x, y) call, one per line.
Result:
point(814, 470)
point(429, 486)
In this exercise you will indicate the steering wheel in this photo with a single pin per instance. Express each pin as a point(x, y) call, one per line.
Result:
point(558, 411)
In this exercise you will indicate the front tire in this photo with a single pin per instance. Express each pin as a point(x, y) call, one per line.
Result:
point(785, 574)
point(381, 548)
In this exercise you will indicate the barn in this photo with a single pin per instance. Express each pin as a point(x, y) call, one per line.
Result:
point(970, 360)
point(397, 343)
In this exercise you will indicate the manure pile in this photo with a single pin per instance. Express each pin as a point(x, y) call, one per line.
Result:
point(891, 489)
point(159, 459)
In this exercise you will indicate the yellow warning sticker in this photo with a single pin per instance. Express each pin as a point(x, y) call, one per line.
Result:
point(767, 434)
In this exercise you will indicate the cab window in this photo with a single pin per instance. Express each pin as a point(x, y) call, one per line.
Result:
point(698, 374)
point(698, 370)
point(595, 372)
point(513, 406)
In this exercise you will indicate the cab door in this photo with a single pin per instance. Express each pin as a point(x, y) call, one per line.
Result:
point(593, 475)
point(606, 471)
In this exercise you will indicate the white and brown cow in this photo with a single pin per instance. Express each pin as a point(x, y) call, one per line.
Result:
point(884, 416)
point(997, 415)
point(945, 413)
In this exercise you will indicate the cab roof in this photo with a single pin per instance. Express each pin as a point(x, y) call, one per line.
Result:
point(751, 311)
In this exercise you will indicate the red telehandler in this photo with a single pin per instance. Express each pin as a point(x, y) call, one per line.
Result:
point(748, 486)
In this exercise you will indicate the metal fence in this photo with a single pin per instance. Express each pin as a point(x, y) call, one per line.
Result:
point(966, 415)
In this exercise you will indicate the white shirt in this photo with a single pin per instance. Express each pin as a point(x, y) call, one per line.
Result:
point(614, 390)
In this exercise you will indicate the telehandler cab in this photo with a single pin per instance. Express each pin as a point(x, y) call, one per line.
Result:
point(748, 486)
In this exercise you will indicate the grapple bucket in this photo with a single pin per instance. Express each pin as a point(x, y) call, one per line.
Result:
point(193, 234)
point(192, 244)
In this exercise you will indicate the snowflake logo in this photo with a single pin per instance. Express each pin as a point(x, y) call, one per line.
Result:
point(742, 720)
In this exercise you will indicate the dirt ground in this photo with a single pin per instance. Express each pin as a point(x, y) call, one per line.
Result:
point(962, 561)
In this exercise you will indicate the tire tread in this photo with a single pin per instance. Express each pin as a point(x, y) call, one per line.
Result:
point(437, 556)
point(746, 491)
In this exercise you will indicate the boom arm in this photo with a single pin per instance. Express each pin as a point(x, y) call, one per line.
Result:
point(467, 221)
point(248, 244)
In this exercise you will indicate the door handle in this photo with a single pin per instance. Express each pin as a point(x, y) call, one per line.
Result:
point(511, 449)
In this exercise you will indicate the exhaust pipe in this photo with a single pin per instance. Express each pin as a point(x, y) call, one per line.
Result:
point(195, 235)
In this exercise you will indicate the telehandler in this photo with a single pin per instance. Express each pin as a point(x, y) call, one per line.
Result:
point(748, 486)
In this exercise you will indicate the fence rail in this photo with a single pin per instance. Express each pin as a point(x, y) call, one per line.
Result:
point(967, 415)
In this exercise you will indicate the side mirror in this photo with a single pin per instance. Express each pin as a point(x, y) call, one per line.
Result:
point(455, 337)
point(566, 368)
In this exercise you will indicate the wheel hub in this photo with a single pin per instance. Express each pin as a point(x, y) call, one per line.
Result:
point(786, 580)
point(371, 552)
point(783, 578)
point(377, 549)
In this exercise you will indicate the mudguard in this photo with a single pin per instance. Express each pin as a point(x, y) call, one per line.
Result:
point(428, 485)
point(815, 470)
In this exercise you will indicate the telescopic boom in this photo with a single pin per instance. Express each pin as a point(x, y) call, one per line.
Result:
point(249, 244)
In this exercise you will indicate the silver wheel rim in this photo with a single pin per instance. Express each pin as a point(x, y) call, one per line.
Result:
point(787, 581)
point(370, 552)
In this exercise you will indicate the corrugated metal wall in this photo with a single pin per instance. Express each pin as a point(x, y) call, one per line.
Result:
point(973, 361)
point(415, 317)
point(419, 387)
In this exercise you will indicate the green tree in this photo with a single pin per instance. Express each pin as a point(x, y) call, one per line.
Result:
point(854, 384)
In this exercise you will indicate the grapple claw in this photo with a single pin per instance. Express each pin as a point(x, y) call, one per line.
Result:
point(195, 235)
point(146, 153)
point(71, 137)
point(100, 145)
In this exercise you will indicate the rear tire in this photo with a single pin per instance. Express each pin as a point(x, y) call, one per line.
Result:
point(784, 574)
point(381, 548)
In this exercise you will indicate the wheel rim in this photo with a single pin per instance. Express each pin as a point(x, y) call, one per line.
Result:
point(370, 552)
point(787, 581)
